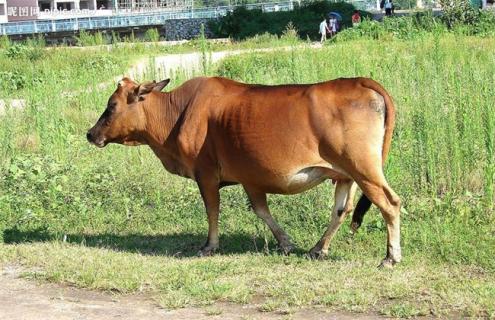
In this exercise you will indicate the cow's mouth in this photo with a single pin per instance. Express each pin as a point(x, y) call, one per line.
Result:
point(99, 142)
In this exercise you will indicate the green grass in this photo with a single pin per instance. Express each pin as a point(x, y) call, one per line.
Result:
point(444, 141)
point(113, 219)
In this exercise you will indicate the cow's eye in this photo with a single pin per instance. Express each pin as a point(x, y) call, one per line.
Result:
point(111, 106)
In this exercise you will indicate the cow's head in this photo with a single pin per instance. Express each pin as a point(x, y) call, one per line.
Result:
point(124, 118)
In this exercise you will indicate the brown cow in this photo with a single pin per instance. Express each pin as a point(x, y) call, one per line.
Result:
point(271, 139)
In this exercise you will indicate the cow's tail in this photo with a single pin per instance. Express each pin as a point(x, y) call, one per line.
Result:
point(364, 203)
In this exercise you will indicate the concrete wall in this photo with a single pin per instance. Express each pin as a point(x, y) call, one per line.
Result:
point(182, 29)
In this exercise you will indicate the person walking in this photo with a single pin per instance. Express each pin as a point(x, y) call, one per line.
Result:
point(332, 26)
point(323, 30)
point(356, 18)
point(389, 6)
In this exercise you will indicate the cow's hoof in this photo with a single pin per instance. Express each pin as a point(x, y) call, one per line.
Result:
point(317, 254)
point(286, 248)
point(354, 227)
point(207, 251)
point(387, 263)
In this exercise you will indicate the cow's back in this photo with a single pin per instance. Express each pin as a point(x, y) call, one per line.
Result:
point(272, 131)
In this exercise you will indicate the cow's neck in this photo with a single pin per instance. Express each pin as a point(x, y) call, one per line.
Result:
point(163, 121)
point(162, 115)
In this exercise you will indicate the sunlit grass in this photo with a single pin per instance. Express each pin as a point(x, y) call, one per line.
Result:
point(129, 226)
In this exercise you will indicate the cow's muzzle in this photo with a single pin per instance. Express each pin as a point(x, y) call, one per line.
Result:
point(97, 141)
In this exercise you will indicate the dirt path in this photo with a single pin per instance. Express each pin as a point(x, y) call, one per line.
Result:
point(23, 299)
point(164, 66)
point(189, 62)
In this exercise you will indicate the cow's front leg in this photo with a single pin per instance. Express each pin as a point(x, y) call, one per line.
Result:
point(211, 197)
point(260, 207)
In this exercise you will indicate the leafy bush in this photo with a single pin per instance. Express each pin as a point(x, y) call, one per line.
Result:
point(37, 41)
point(290, 33)
point(16, 51)
point(98, 63)
point(115, 37)
point(152, 35)
point(485, 24)
point(243, 23)
point(459, 15)
point(421, 24)
point(87, 39)
point(24, 51)
point(4, 42)
point(260, 39)
point(12, 80)
point(42, 189)
point(459, 12)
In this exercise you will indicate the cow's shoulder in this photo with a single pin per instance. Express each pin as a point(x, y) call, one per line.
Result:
point(204, 94)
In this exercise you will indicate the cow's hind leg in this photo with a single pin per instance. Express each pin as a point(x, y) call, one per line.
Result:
point(344, 194)
point(378, 191)
point(260, 207)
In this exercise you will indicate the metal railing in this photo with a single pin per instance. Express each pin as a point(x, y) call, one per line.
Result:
point(120, 20)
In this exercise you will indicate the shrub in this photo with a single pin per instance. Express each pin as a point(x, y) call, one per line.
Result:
point(459, 12)
point(37, 41)
point(290, 34)
point(15, 51)
point(4, 42)
point(479, 22)
point(87, 39)
point(12, 80)
point(485, 24)
point(243, 23)
point(152, 35)
point(24, 51)
point(115, 37)
point(98, 63)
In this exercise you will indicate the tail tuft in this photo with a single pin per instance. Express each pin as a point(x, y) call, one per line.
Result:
point(362, 207)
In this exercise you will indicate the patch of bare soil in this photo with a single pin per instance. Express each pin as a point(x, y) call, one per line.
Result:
point(23, 299)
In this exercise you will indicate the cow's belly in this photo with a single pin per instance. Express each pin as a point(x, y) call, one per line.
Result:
point(309, 177)
point(293, 181)
point(305, 179)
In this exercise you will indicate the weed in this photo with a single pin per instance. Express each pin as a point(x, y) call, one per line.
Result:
point(113, 219)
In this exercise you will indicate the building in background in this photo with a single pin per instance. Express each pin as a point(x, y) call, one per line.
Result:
point(22, 10)
point(55, 9)
point(26, 10)
point(3, 11)
point(23, 18)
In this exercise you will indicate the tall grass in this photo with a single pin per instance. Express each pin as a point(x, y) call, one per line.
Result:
point(152, 35)
point(55, 186)
point(422, 24)
point(443, 144)
point(85, 38)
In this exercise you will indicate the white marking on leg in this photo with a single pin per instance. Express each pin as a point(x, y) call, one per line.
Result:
point(394, 248)
point(344, 194)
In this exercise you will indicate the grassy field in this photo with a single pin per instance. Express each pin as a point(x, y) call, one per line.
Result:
point(113, 219)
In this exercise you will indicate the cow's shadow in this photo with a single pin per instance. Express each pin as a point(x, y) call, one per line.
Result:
point(172, 245)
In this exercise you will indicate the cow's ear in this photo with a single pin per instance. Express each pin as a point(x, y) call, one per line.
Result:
point(143, 89)
point(161, 85)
